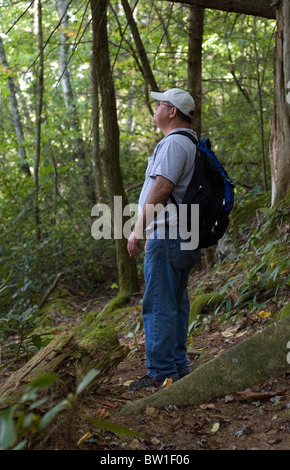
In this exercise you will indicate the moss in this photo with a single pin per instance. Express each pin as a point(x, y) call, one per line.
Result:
point(246, 210)
point(121, 300)
point(283, 313)
point(102, 335)
point(205, 304)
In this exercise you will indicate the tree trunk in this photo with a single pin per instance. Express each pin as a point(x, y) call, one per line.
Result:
point(40, 87)
point(147, 71)
point(194, 74)
point(70, 99)
point(96, 152)
point(263, 8)
point(15, 113)
point(280, 125)
point(70, 359)
point(128, 277)
point(249, 363)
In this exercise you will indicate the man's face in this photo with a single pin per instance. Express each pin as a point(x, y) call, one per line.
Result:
point(162, 113)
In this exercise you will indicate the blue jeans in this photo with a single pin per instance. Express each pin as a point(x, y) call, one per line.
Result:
point(166, 307)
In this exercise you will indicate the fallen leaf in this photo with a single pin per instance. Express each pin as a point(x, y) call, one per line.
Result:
point(108, 403)
point(207, 406)
point(199, 422)
point(127, 383)
point(167, 382)
point(102, 413)
point(136, 445)
point(88, 435)
point(240, 334)
point(155, 441)
point(227, 334)
point(177, 424)
point(235, 295)
point(272, 432)
point(248, 395)
point(151, 411)
point(215, 427)
point(264, 314)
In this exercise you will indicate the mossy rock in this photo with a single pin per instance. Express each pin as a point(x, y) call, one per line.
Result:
point(205, 304)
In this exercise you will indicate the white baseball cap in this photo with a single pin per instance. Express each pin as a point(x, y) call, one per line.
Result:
point(179, 98)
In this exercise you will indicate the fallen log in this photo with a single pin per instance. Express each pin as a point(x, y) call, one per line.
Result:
point(70, 358)
point(251, 362)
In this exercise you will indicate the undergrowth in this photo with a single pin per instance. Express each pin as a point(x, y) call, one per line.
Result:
point(258, 278)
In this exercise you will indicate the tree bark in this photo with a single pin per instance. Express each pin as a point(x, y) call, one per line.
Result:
point(96, 151)
point(194, 70)
point(70, 359)
point(128, 277)
point(249, 363)
point(40, 88)
point(263, 8)
point(71, 101)
point(280, 125)
point(15, 112)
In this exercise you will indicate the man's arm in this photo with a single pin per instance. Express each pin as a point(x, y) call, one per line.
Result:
point(158, 194)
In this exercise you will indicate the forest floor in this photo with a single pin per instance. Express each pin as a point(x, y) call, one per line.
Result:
point(256, 419)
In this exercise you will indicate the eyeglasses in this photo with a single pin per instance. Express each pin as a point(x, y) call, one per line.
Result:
point(163, 104)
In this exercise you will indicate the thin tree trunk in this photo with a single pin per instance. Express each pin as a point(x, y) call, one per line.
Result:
point(70, 99)
point(96, 153)
point(40, 86)
point(280, 125)
point(15, 113)
point(194, 69)
point(262, 133)
point(128, 277)
point(140, 48)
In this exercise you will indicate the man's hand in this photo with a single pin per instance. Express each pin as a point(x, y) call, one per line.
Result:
point(133, 245)
point(158, 194)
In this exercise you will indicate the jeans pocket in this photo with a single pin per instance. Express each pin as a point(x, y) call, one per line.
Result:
point(181, 259)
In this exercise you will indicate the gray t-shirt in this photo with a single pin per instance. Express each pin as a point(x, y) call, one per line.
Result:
point(174, 159)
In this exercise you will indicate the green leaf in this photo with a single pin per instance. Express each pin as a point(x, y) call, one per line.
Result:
point(87, 380)
point(44, 381)
point(50, 415)
point(7, 432)
point(116, 428)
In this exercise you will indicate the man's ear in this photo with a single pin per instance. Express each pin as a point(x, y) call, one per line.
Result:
point(173, 112)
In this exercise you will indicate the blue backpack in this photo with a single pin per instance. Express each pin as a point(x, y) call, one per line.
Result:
point(212, 189)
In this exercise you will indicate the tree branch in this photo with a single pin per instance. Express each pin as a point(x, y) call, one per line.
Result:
point(263, 8)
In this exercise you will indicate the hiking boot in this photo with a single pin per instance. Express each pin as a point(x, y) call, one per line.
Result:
point(145, 382)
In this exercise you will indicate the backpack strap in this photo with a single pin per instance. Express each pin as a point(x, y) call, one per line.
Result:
point(187, 134)
point(195, 141)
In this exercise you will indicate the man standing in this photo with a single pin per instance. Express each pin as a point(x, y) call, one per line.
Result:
point(166, 265)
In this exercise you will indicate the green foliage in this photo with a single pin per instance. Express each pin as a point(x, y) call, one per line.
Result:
point(21, 421)
point(260, 275)
point(237, 71)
